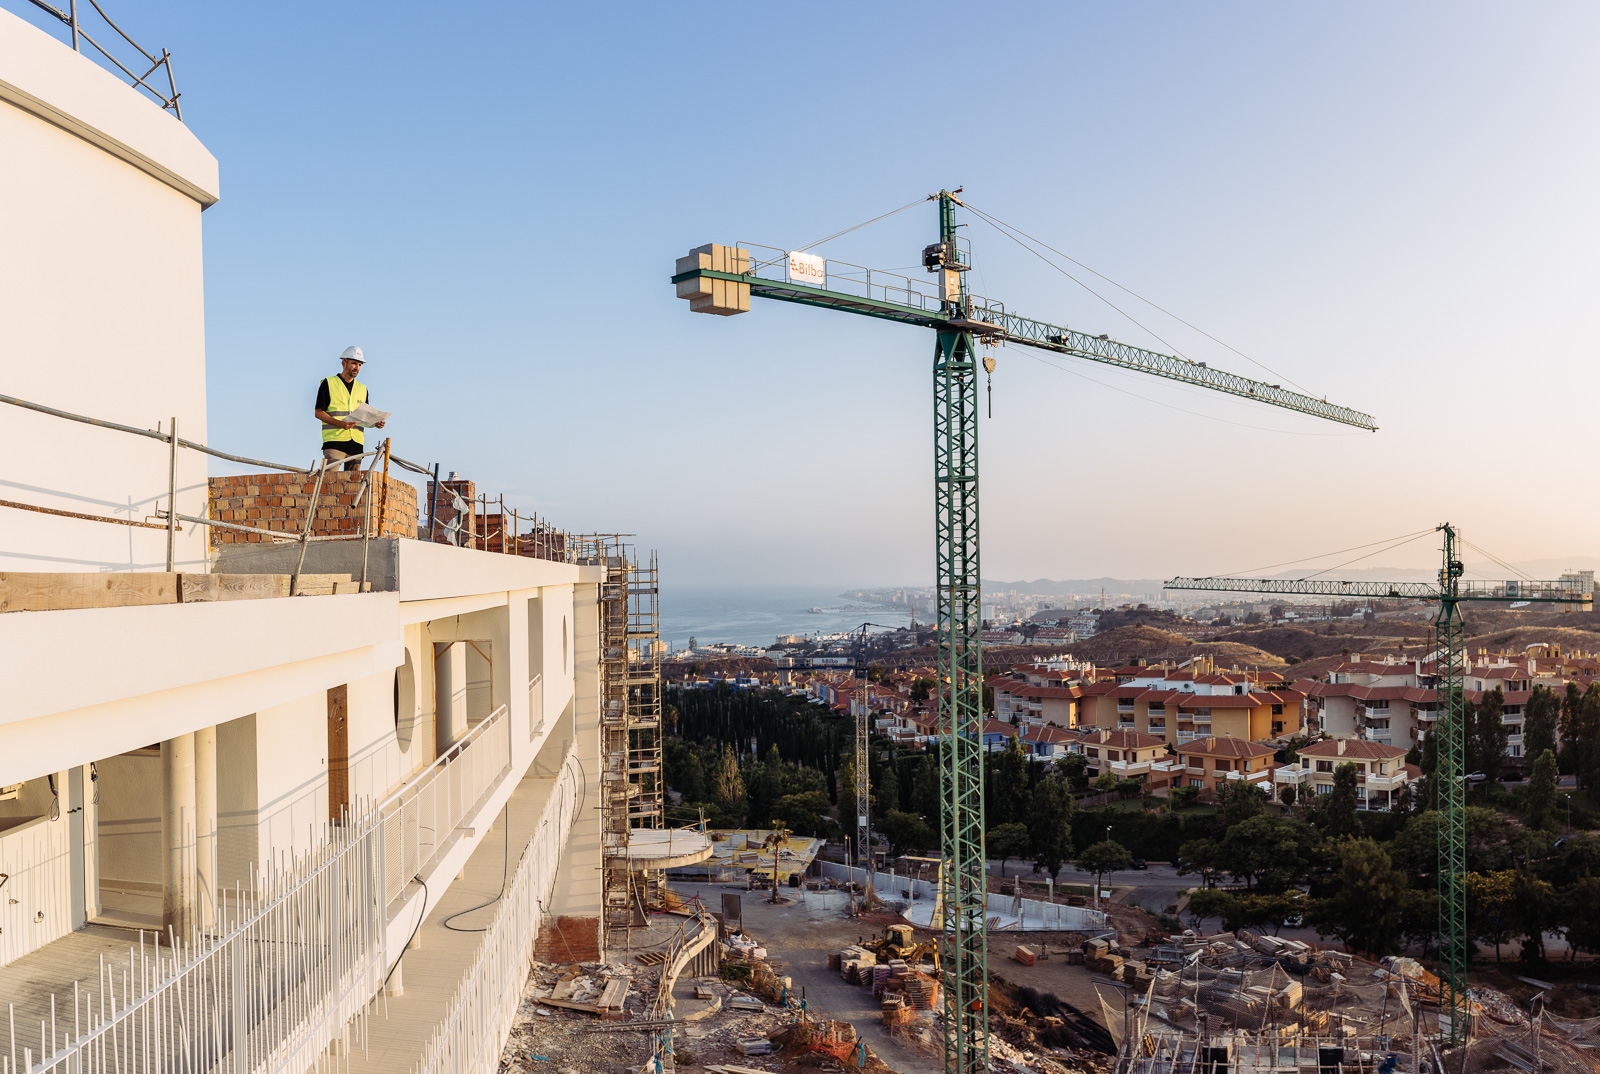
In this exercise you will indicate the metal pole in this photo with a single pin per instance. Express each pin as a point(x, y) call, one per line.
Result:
point(516, 533)
point(433, 504)
point(172, 470)
point(72, 11)
point(305, 534)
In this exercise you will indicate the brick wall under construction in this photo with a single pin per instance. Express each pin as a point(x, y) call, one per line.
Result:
point(279, 502)
point(568, 939)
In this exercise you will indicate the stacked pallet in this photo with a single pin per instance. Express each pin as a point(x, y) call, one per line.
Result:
point(1097, 956)
point(856, 965)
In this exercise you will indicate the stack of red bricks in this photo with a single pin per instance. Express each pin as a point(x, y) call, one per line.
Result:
point(280, 502)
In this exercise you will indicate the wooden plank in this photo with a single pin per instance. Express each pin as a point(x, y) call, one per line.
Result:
point(324, 585)
point(567, 1004)
point(615, 992)
point(30, 591)
point(197, 588)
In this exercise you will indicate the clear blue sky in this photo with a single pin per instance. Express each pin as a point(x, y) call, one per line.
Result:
point(1390, 204)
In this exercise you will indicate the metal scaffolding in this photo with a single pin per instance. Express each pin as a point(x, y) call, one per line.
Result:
point(632, 791)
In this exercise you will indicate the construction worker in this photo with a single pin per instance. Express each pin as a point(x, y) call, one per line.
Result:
point(337, 396)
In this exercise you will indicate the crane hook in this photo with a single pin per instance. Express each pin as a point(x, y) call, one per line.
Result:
point(988, 368)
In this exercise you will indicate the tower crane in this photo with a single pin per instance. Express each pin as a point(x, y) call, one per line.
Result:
point(1450, 590)
point(721, 280)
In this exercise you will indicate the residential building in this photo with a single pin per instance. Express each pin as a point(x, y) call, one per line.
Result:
point(1382, 774)
point(1125, 754)
point(1208, 763)
point(278, 716)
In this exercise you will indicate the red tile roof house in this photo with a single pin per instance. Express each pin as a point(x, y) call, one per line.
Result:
point(1126, 755)
point(1047, 743)
point(1210, 762)
point(1381, 772)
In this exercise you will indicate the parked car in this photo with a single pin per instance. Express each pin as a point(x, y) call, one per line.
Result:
point(1476, 777)
point(1511, 777)
point(1139, 863)
point(1294, 921)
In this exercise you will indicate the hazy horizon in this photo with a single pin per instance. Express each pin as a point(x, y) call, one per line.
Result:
point(1389, 205)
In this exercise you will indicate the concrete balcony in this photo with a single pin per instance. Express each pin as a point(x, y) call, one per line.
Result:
point(1126, 725)
point(1290, 774)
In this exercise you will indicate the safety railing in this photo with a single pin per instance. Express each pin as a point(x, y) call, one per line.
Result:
point(545, 541)
point(470, 1037)
point(296, 953)
point(78, 34)
point(423, 819)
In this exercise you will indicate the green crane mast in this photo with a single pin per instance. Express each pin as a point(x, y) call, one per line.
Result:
point(721, 280)
point(1449, 779)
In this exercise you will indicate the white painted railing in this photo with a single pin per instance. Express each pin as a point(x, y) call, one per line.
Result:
point(421, 820)
point(535, 706)
point(295, 957)
point(470, 1038)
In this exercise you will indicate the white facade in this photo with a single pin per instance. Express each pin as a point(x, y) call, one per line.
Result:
point(153, 757)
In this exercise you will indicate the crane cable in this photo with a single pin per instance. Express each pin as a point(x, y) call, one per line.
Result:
point(1326, 555)
point(1491, 557)
point(999, 224)
point(846, 231)
point(1369, 555)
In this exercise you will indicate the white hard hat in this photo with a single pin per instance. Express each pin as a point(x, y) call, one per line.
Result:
point(352, 353)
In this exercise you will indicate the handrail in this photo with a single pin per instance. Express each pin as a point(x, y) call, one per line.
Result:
point(444, 758)
point(545, 542)
point(70, 19)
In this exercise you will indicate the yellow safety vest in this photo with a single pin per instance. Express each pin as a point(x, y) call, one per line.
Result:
point(342, 400)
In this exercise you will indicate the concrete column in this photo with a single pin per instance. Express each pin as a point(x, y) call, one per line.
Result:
point(205, 813)
point(177, 833)
point(449, 693)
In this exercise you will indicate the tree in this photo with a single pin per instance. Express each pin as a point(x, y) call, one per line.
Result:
point(1571, 709)
point(1337, 812)
point(885, 787)
point(1539, 719)
point(1287, 795)
point(1073, 766)
point(1105, 781)
point(1006, 842)
point(1253, 619)
point(922, 688)
point(1487, 737)
point(1007, 785)
point(1106, 856)
point(1491, 906)
point(1365, 910)
point(804, 814)
point(727, 786)
point(1200, 856)
point(1270, 853)
point(1587, 747)
point(925, 797)
point(906, 832)
point(1542, 791)
point(1240, 801)
point(1050, 816)
point(1534, 913)
point(1578, 901)
point(1209, 902)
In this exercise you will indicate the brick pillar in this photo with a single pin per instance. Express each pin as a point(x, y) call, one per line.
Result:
point(445, 512)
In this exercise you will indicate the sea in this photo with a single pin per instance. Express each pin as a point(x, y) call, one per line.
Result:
point(757, 615)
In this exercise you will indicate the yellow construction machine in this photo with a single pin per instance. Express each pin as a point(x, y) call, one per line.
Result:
point(900, 941)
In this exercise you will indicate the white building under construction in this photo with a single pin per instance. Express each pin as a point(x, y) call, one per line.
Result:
point(256, 728)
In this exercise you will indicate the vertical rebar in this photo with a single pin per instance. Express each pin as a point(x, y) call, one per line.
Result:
point(433, 503)
point(172, 486)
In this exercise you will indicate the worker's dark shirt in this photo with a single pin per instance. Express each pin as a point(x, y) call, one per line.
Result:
point(347, 443)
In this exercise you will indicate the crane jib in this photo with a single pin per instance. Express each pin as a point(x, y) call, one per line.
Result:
point(990, 322)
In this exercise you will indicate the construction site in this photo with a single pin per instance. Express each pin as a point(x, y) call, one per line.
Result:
point(269, 735)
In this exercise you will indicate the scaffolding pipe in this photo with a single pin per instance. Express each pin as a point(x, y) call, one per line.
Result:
point(305, 535)
point(53, 412)
point(172, 491)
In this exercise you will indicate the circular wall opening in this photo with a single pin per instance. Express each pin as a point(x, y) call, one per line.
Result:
point(405, 702)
